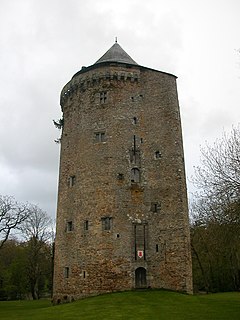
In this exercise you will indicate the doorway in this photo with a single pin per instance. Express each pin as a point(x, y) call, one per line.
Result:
point(140, 278)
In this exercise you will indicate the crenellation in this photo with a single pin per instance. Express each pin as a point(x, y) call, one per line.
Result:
point(81, 84)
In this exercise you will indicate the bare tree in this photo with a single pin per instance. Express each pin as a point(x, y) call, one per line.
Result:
point(219, 173)
point(12, 215)
point(37, 225)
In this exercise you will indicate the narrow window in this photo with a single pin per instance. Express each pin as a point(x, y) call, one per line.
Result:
point(103, 97)
point(106, 223)
point(120, 176)
point(156, 247)
point(66, 272)
point(140, 238)
point(84, 274)
point(155, 207)
point(158, 155)
point(134, 120)
point(100, 136)
point(135, 156)
point(86, 225)
point(135, 175)
point(69, 226)
point(71, 181)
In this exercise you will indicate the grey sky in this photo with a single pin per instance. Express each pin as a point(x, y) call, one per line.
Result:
point(44, 42)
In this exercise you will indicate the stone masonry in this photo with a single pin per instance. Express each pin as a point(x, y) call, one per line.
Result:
point(122, 218)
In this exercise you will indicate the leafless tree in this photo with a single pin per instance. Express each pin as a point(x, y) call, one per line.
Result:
point(37, 225)
point(12, 216)
point(219, 173)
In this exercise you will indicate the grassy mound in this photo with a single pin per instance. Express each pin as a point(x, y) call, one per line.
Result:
point(130, 305)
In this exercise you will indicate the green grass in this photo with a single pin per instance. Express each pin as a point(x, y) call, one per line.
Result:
point(130, 305)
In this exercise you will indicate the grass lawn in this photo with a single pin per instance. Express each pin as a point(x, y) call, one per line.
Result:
point(135, 305)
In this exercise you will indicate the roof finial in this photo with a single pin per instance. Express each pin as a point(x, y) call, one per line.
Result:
point(115, 39)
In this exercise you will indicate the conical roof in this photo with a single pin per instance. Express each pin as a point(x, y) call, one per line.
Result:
point(116, 54)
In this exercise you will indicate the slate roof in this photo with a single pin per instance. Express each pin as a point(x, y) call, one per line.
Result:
point(116, 54)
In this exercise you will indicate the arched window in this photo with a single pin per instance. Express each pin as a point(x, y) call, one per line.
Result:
point(135, 175)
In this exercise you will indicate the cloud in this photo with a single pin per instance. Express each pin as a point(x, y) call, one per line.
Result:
point(44, 43)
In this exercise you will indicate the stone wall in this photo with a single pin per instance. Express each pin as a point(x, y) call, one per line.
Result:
point(121, 169)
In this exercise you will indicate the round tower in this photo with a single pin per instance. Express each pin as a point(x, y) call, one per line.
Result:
point(122, 217)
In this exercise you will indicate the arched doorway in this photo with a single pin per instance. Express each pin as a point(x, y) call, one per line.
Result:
point(140, 277)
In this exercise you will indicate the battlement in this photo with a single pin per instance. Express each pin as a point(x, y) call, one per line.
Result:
point(81, 83)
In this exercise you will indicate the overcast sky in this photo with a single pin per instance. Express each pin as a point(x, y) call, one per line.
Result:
point(44, 42)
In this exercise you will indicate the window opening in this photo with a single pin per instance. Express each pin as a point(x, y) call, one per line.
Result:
point(72, 181)
point(66, 272)
point(84, 274)
point(134, 153)
point(155, 207)
point(106, 223)
point(135, 157)
point(120, 176)
point(86, 225)
point(156, 247)
point(100, 136)
point(135, 175)
point(134, 120)
point(158, 155)
point(140, 235)
point(134, 144)
point(69, 226)
point(103, 97)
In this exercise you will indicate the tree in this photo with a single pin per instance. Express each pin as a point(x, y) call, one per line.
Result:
point(12, 215)
point(37, 229)
point(216, 215)
point(219, 173)
point(13, 278)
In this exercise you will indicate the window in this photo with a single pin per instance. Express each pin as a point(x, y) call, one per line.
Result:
point(134, 120)
point(71, 181)
point(103, 97)
point(157, 249)
point(155, 207)
point(86, 225)
point(135, 156)
point(66, 272)
point(69, 226)
point(158, 155)
point(140, 241)
point(135, 175)
point(100, 136)
point(106, 223)
point(120, 176)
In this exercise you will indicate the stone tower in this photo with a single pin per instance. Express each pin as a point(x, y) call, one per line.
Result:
point(122, 218)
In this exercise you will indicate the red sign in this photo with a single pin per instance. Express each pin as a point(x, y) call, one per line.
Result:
point(140, 253)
